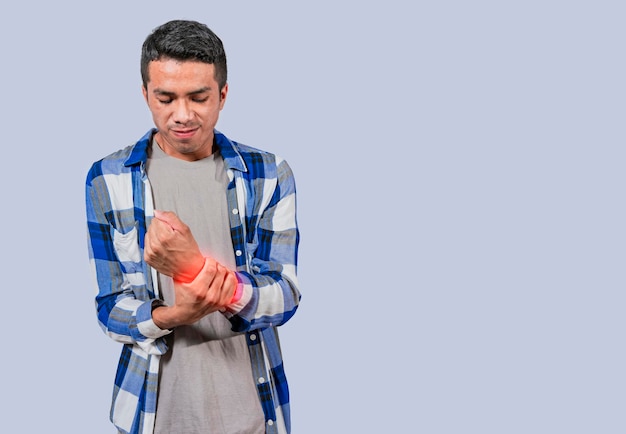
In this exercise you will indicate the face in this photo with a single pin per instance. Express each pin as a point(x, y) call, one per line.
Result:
point(185, 101)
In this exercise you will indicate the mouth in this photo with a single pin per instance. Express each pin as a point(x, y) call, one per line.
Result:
point(184, 133)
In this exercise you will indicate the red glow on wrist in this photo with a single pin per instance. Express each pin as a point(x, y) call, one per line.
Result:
point(238, 293)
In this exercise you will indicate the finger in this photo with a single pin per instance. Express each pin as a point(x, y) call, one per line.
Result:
point(161, 228)
point(161, 235)
point(171, 219)
point(207, 274)
point(231, 281)
point(147, 246)
point(230, 286)
point(220, 275)
point(152, 258)
point(214, 291)
point(221, 284)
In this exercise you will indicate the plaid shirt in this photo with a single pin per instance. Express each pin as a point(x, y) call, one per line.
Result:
point(262, 196)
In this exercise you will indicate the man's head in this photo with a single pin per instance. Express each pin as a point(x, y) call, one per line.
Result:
point(184, 40)
point(183, 66)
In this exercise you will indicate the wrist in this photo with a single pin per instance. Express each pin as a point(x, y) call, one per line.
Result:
point(191, 271)
point(163, 318)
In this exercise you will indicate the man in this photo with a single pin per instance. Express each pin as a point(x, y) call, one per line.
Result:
point(193, 241)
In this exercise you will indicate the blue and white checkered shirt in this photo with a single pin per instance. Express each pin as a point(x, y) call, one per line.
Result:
point(262, 198)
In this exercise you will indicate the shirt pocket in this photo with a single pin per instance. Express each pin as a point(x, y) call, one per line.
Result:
point(126, 245)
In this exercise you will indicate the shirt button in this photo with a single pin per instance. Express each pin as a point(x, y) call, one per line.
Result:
point(270, 422)
point(261, 380)
point(238, 252)
point(253, 337)
point(235, 211)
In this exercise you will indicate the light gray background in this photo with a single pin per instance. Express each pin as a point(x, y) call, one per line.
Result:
point(460, 168)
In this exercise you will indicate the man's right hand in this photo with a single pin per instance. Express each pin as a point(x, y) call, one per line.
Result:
point(171, 249)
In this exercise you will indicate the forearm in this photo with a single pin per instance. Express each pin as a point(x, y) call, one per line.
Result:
point(124, 301)
point(266, 301)
point(270, 294)
point(128, 320)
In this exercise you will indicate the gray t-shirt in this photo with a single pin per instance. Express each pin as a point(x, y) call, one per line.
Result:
point(205, 379)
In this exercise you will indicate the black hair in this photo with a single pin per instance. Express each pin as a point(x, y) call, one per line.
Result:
point(184, 40)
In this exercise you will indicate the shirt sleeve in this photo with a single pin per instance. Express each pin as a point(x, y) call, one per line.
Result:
point(270, 294)
point(124, 300)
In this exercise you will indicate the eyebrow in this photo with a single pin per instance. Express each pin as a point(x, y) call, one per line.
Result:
point(158, 91)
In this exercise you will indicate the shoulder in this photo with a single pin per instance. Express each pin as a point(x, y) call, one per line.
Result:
point(267, 170)
point(112, 164)
point(255, 162)
point(254, 155)
point(121, 161)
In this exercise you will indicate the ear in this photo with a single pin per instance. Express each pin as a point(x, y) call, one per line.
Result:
point(145, 93)
point(223, 94)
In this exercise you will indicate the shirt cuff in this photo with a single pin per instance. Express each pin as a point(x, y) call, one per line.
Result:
point(148, 328)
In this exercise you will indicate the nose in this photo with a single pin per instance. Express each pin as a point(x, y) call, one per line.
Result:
point(182, 112)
